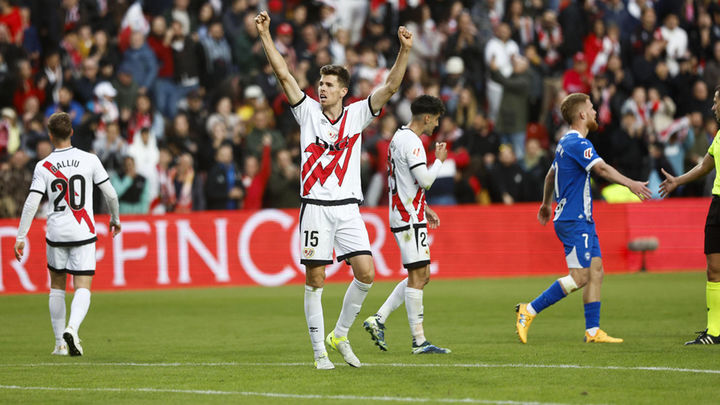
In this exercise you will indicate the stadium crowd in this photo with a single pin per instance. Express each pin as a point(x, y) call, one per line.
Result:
point(178, 100)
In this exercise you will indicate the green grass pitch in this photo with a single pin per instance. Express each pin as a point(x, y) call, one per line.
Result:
point(250, 345)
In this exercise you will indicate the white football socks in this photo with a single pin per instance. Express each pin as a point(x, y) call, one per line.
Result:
point(354, 297)
point(396, 298)
point(79, 308)
point(592, 331)
point(314, 318)
point(56, 303)
point(530, 309)
point(414, 306)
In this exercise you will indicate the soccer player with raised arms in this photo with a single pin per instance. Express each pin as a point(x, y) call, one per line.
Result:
point(711, 334)
point(569, 181)
point(408, 178)
point(67, 176)
point(330, 186)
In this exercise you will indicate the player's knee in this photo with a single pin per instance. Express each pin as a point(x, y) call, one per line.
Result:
point(580, 278)
point(713, 274)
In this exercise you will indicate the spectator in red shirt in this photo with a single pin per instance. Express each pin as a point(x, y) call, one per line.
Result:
point(26, 87)
point(255, 179)
point(577, 79)
point(165, 92)
point(10, 17)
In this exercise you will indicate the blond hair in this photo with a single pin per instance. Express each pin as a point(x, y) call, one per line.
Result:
point(571, 104)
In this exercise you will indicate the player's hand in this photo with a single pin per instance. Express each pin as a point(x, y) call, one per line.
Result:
point(19, 247)
point(405, 37)
point(432, 218)
point(115, 228)
point(441, 151)
point(640, 189)
point(668, 185)
point(262, 22)
point(544, 214)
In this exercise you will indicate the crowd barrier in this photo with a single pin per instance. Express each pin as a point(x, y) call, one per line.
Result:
point(260, 247)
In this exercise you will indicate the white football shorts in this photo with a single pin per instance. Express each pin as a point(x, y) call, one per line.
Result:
point(323, 227)
point(413, 243)
point(76, 260)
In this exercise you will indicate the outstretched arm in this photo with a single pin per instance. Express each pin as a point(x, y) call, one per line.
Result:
point(700, 170)
point(394, 79)
point(639, 188)
point(545, 211)
point(287, 81)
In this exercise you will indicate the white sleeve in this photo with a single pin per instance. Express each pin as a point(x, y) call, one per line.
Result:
point(301, 109)
point(425, 177)
point(28, 213)
point(111, 198)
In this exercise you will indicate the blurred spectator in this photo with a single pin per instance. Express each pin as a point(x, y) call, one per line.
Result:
point(284, 183)
point(104, 106)
point(127, 89)
point(536, 165)
point(111, 149)
point(675, 40)
point(144, 152)
point(697, 151)
point(506, 178)
point(575, 23)
point(513, 113)
point(26, 86)
point(51, 77)
point(499, 51)
point(132, 188)
point(10, 18)
point(67, 104)
point(164, 91)
point(218, 57)
point(180, 138)
point(186, 185)
point(255, 175)
point(84, 85)
point(255, 140)
point(145, 116)
point(549, 40)
point(578, 78)
point(9, 132)
point(140, 62)
point(223, 187)
point(15, 179)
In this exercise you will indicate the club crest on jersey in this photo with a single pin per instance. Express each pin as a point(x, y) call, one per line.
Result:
point(588, 153)
point(308, 252)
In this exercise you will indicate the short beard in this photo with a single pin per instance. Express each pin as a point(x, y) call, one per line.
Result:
point(592, 126)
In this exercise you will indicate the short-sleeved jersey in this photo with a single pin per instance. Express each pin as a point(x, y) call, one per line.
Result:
point(714, 151)
point(407, 198)
point(330, 150)
point(67, 176)
point(574, 157)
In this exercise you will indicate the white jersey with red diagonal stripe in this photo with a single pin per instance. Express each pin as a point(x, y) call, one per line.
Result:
point(330, 150)
point(407, 198)
point(67, 176)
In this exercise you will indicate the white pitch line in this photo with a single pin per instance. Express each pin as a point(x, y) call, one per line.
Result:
point(401, 365)
point(277, 395)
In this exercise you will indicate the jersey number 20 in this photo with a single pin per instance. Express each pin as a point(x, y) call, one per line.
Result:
point(75, 185)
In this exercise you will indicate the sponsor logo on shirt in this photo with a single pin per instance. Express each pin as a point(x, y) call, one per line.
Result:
point(588, 153)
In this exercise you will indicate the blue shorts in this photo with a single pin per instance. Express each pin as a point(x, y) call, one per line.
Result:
point(580, 242)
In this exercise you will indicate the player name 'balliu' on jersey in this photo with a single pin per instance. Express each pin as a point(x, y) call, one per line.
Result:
point(330, 150)
point(407, 198)
point(67, 176)
point(574, 158)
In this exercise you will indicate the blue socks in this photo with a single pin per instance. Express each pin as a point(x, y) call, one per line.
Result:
point(553, 294)
point(592, 315)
